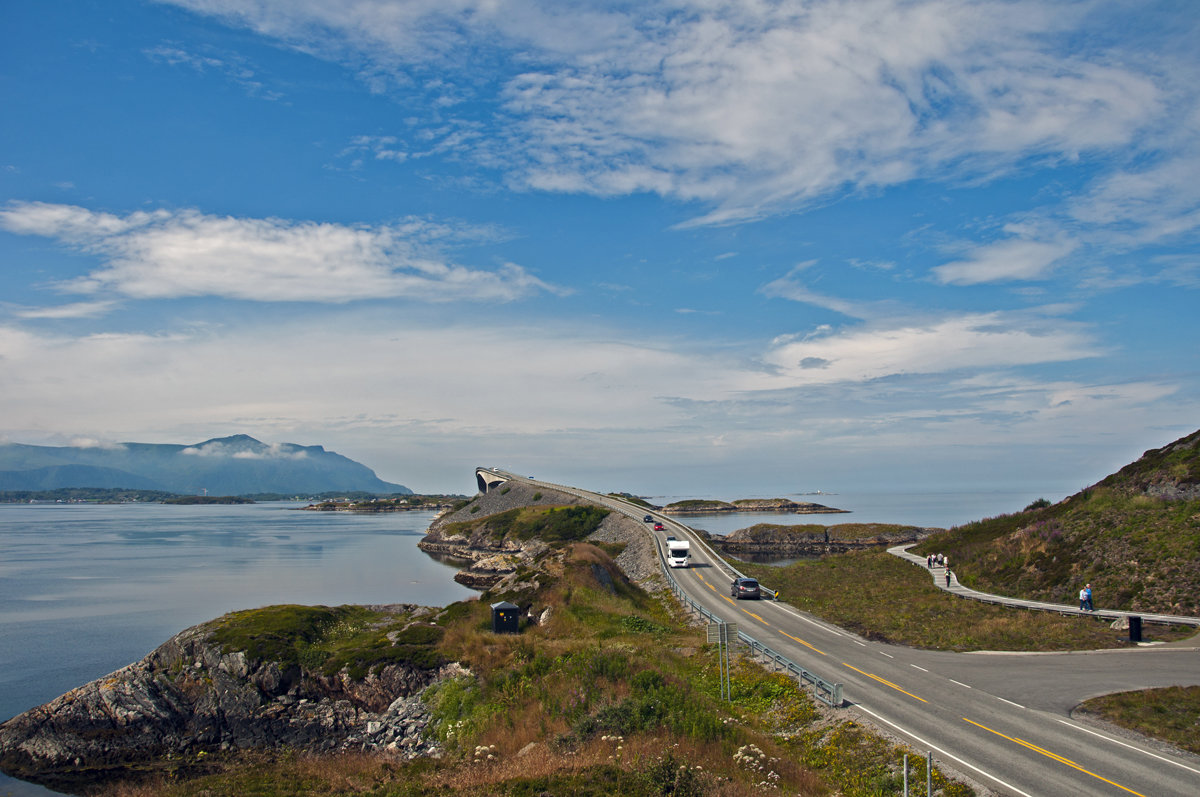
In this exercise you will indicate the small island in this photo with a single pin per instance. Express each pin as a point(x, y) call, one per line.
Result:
point(404, 503)
point(708, 507)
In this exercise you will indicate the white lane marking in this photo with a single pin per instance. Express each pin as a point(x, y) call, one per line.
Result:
point(932, 746)
point(1002, 700)
point(860, 644)
point(960, 683)
point(808, 620)
point(922, 669)
point(889, 655)
point(1130, 746)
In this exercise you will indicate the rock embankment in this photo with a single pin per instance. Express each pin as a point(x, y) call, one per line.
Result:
point(785, 542)
point(189, 698)
point(495, 563)
point(489, 559)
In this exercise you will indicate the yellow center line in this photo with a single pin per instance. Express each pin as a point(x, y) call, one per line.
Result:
point(801, 641)
point(756, 617)
point(1054, 756)
point(886, 682)
point(731, 600)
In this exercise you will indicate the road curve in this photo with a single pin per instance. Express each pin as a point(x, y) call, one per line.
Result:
point(1002, 719)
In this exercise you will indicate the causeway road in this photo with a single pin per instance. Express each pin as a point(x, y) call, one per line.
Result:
point(1003, 720)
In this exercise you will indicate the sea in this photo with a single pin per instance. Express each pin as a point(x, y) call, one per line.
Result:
point(87, 588)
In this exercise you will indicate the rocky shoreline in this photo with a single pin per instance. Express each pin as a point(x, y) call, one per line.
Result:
point(189, 698)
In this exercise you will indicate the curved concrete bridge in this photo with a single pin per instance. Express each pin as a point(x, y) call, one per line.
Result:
point(489, 478)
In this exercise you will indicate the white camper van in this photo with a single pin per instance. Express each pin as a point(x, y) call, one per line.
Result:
point(678, 552)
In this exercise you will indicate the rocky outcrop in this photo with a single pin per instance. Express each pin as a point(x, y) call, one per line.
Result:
point(490, 559)
point(189, 697)
point(765, 540)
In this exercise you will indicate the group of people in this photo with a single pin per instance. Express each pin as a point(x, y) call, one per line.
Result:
point(1085, 599)
point(941, 560)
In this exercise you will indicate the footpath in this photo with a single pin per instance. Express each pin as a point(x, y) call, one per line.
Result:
point(951, 585)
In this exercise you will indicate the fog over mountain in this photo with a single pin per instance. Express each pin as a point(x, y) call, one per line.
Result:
point(237, 465)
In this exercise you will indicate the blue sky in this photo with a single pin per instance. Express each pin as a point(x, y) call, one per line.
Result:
point(682, 247)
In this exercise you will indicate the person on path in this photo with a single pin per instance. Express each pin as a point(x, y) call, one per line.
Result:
point(947, 578)
point(929, 561)
point(1088, 591)
point(1083, 599)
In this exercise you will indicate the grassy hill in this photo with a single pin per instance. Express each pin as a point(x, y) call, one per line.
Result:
point(610, 691)
point(1135, 536)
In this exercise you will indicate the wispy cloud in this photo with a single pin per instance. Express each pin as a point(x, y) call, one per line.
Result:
point(1005, 261)
point(754, 108)
point(234, 68)
point(63, 311)
point(166, 254)
point(948, 344)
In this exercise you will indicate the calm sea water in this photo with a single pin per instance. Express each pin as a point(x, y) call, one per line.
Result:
point(87, 589)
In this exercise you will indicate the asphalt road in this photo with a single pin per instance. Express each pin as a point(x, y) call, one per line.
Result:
point(1001, 719)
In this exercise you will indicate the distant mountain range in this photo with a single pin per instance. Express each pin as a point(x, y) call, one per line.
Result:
point(237, 465)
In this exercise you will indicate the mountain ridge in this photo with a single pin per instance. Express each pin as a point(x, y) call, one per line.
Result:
point(234, 465)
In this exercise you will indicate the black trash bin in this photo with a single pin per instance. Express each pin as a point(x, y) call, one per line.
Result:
point(506, 618)
point(1135, 629)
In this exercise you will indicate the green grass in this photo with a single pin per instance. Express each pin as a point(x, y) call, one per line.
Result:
point(1171, 714)
point(1139, 553)
point(327, 639)
point(551, 524)
point(883, 597)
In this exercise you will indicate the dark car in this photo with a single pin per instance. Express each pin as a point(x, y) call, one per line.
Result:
point(658, 527)
point(647, 519)
point(744, 588)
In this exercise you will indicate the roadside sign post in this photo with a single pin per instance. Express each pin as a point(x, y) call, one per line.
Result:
point(720, 634)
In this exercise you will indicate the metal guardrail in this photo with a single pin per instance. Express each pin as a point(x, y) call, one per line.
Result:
point(826, 692)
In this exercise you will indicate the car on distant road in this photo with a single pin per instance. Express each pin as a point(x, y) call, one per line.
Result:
point(744, 588)
point(658, 527)
point(647, 519)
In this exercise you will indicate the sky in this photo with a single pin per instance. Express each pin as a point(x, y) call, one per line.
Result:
point(704, 248)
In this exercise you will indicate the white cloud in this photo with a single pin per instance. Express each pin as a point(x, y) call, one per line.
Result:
point(422, 405)
point(978, 341)
point(750, 108)
point(217, 449)
point(165, 254)
point(1006, 261)
point(789, 286)
point(73, 310)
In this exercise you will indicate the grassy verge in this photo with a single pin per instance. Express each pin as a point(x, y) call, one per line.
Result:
point(1171, 714)
point(883, 597)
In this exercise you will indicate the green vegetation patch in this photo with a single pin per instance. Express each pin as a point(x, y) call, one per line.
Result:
point(883, 597)
point(1140, 553)
point(327, 639)
point(1171, 714)
point(698, 505)
point(551, 524)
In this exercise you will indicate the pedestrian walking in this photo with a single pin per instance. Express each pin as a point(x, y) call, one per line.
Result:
point(1088, 592)
point(929, 561)
point(947, 578)
point(1083, 599)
